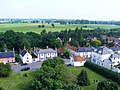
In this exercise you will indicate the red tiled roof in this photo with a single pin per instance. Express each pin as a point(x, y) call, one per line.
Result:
point(78, 58)
point(71, 47)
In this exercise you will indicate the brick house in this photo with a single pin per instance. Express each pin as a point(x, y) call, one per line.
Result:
point(7, 57)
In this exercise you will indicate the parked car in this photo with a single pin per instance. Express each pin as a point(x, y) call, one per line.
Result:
point(25, 69)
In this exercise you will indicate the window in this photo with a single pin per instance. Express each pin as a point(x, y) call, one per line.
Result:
point(8, 61)
point(53, 53)
point(12, 60)
point(41, 54)
point(27, 58)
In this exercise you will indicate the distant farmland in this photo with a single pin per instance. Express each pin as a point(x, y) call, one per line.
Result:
point(29, 27)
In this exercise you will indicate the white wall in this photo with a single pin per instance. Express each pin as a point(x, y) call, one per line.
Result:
point(45, 56)
point(79, 63)
point(27, 58)
point(73, 63)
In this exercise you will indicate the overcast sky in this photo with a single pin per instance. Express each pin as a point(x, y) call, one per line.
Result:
point(61, 9)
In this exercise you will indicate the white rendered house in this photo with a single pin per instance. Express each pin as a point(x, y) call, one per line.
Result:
point(25, 57)
point(105, 57)
point(44, 54)
point(77, 61)
point(85, 52)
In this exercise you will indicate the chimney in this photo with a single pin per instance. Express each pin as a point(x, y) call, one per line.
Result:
point(24, 48)
point(19, 50)
point(5, 50)
point(13, 50)
point(34, 49)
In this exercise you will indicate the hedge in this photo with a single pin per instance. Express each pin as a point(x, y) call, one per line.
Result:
point(114, 76)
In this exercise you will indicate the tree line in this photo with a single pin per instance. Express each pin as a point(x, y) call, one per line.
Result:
point(77, 37)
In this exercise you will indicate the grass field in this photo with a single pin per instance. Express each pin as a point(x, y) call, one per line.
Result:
point(91, 74)
point(29, 27)
point(17, 81)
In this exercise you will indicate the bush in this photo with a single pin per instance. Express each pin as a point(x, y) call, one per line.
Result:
point(71, 86)
point(107, 85)
point(82, 78)
point(114, 76)
point(5, 70)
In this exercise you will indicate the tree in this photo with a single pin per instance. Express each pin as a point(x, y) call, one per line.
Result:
point(107, 85)
point(5, 70)
point(39, 26)
point(53, 62)
point(51, 76)
point(82, 79)
point(71, 86)
point(43, 26)
point(66, 53)
point(53, 25)
point(111, 44)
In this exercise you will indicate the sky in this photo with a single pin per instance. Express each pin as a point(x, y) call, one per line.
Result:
point(61, 9)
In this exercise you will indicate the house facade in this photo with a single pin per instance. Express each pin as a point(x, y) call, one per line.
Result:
point(85, 52)
point(77, 61)
point(105, 57)
point(7, 57)
point(25, 56)
point(44, 54)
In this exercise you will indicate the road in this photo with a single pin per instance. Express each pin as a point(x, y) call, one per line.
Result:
point(33, 66)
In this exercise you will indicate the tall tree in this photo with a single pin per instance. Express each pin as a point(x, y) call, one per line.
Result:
point(82, 79)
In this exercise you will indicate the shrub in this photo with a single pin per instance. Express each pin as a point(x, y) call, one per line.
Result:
point(5, 70)
point(107, 85)
point(82, 78)
point(114, 76)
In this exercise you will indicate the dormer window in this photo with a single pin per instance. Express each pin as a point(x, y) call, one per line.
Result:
point(100, 51)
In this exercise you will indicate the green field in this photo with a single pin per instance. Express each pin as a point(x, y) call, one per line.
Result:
point(91, 74)
point(17, 81)
point(29, 27)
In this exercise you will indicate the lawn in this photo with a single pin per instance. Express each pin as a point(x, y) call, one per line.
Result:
point(17, 81)
point(91, 74)
point(30, 27)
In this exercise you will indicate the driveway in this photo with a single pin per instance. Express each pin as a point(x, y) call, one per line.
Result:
point(33, 66)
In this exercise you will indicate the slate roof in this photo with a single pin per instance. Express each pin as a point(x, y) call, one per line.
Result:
point(7, 54)
point(85, 49)
point(115, 48)
point(103, 50)
point(34, 55)
point(107, 61)
point(49, 50)
point(115, 56)
point(23, 52)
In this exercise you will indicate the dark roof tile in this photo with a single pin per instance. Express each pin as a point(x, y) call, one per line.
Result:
point(6, 54)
